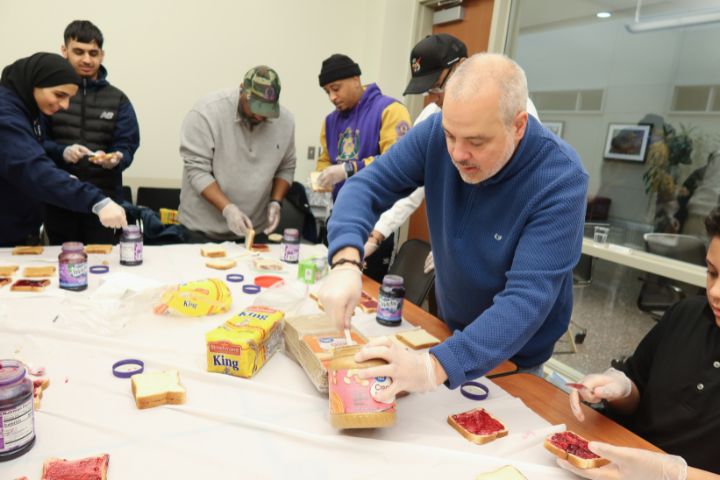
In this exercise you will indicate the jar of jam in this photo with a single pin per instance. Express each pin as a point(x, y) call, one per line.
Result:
point(17, 421)
point(291, 245)
point(131, 246)
point(72, 267)
point(353, 402)
point(390, 301)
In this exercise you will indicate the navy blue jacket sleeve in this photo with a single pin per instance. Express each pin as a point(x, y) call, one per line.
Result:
point(126, 138)
point(25, 162)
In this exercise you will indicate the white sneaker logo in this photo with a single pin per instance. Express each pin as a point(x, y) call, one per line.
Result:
point(498, 237)
point(107, 115)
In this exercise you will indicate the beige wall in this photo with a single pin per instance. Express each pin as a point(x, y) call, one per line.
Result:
point(165, 55)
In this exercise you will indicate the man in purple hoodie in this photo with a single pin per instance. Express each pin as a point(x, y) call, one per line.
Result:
point(365, 123)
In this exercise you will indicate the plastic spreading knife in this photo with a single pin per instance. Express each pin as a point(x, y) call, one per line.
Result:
point(576, 386)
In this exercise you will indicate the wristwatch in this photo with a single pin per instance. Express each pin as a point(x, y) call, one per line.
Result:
point(349, 169)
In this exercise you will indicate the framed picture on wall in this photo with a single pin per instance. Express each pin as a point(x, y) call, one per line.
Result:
point(554, 127)
point(627, 142)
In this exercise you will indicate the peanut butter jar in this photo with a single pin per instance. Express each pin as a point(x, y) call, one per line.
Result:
point(353, 402)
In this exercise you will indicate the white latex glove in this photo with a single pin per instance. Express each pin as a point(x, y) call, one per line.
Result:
point(370, 247)
point(237, 221)
point(429, 263)
point(74, 153)
point(609, 385)
point(112, 215)
point(631, 464)
point(330, 176)
point(340, 294)
point(273, 217)
point(108, 161)
point(410, 371)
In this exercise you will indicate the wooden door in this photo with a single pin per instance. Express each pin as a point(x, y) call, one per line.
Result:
point(474, 30)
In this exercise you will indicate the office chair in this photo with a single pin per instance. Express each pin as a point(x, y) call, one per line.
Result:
point(296, 213)
point(659, 293)
point(156, 198)
point(409, 263)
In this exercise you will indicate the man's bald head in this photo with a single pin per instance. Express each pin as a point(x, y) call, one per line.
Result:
point(484, 71)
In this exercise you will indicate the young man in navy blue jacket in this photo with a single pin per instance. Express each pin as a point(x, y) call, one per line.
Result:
point(100, 119)
point(505, 204)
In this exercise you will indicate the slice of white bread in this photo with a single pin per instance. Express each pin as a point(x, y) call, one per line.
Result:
point(8, 270)
point(35, 272)
point(213, 251)
point(90, 468)
point(221, 264)
point(478, 426)
point(508, 472)
point(573, 448)
point(249, 238)
point(98, 248)
point(27, 250)
point(417, 339)
point(152, 389)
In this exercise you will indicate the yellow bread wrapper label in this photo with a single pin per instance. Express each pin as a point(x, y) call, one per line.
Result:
point(195, 299)
point(243, 344)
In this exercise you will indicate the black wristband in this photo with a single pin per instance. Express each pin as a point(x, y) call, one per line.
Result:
point(349, 169)
point(357, 263)
point(279, 202)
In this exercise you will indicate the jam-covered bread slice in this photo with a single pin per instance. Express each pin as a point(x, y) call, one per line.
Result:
point(478, 426)
point(574, 449)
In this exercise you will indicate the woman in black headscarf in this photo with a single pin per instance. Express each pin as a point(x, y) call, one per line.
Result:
point(40, 84)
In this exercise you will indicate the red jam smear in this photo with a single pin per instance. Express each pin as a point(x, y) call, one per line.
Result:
point(478, 422)
point(572, 444)
point(31, 283)
point(83, 469)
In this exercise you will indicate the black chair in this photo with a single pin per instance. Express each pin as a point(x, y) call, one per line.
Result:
point(296, 213)
point(658, 293)
point(156, 198)
point(409, 263)
point(127, 194)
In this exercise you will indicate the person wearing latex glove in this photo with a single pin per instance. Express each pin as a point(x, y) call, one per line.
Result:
point(501, 300)
point(237, 221)
point(238, 148)
point(111, 214)
point(666, 392)
point(341, 292)
point(635, 463)
point(74, 153)
point(274, 208)
point(331, 176)
point(409, 370)
point(374, 241)
point(365, 123)
point(611, 386)
point(101, 118)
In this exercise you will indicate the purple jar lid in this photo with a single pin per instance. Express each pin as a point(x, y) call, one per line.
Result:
point(393, 281)
point(10, 372)
point(72, 247)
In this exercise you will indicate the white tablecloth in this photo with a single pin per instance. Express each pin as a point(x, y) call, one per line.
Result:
point(275, 425)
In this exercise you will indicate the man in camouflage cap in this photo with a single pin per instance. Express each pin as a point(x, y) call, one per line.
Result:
point(238, 151)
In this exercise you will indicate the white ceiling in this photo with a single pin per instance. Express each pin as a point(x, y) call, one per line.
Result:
point(537, 15)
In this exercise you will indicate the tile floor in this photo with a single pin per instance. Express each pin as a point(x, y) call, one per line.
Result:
point(607, 309)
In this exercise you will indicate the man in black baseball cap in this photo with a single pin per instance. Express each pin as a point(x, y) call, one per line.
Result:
point(432, 60)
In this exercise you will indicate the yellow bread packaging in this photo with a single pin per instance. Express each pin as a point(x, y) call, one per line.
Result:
point(195, 299)
point(243, 344)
